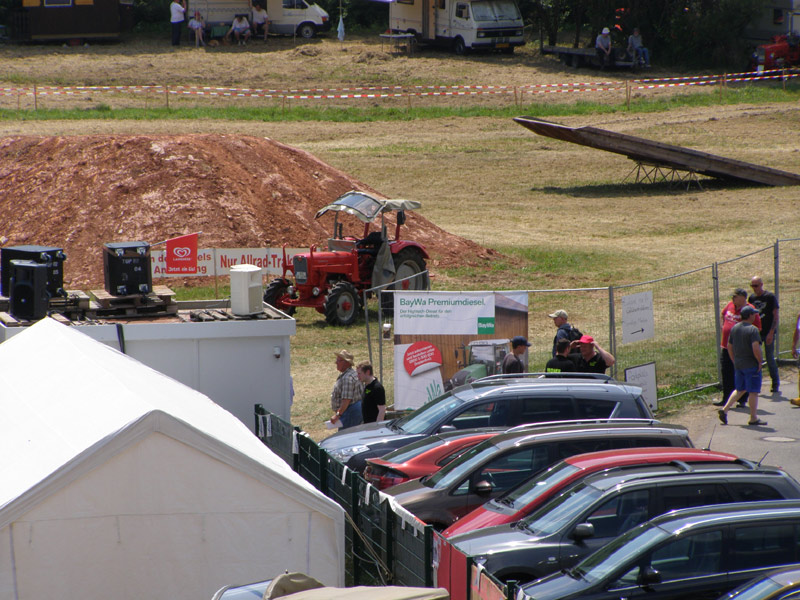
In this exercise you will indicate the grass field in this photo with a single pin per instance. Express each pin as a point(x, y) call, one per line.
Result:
point(562, 216)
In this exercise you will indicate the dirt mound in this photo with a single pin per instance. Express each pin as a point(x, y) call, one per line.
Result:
point(81, 192)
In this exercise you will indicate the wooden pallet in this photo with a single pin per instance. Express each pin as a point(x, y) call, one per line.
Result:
point(161, 301)
point(219, 314)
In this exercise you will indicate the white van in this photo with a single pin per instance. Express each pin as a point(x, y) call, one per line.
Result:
point(461, 24)
point(287, 17)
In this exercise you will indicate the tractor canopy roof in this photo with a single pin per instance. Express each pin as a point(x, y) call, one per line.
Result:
point(365, 207)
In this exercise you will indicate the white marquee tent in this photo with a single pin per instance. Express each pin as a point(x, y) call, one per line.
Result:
point(119, 482)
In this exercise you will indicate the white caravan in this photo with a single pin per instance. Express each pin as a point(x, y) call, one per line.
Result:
point(461, 24)
point(287, 17)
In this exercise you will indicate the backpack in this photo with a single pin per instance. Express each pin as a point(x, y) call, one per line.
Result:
point(574, 333)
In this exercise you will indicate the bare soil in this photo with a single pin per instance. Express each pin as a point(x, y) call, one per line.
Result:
point(239, 191)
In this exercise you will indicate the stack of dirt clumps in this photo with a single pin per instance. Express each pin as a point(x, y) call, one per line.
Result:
point(240, 192)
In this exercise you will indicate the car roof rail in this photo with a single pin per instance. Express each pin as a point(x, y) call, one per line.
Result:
point(682, 465)
point(747, 463)
point(511, 376)
point(540, 424)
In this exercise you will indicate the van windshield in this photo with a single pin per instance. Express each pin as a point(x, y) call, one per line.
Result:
point(495, 10)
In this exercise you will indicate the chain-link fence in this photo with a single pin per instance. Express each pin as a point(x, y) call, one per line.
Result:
point(685, 344)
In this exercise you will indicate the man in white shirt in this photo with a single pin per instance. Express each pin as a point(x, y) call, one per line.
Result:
point(177, 14)
point(260, 20)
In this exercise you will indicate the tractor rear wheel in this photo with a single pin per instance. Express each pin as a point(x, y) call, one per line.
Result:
point(342, 304)
point(407, 262)
point(276, 290)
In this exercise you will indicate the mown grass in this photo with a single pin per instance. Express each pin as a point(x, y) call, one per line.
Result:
point(728, 96)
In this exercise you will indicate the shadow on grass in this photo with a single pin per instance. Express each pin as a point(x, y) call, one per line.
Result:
point(643, 189)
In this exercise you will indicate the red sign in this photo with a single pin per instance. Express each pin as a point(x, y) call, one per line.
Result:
point(182, 255)
point(421, 357)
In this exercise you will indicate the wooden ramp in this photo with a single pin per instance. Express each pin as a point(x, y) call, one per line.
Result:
point(659, 154)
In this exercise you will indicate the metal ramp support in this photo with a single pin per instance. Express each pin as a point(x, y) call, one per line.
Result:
point(653, 173)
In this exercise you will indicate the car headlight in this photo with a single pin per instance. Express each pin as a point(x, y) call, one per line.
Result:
point(345, 454)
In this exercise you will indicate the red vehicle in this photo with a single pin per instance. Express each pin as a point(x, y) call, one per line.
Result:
point(525, 498)
point(332, 281)
point(422, 457)
point(781, 51)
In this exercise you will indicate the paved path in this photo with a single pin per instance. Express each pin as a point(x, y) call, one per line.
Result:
point(779, 439)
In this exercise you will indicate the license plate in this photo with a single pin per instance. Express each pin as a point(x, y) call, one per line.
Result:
point(501, 45)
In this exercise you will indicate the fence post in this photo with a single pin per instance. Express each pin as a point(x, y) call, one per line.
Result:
point(391, 523)
point(717, 325)
point(612, 337)
point(776, 266)
point(354, 498)
point(428, 533)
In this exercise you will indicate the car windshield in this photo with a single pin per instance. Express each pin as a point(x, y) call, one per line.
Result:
point(755, 590)
point(561, 510)
point(495, 10)
point(533, 488)
point(464, 464)
point(619, 552)
point(425, 417)
point(412, 450)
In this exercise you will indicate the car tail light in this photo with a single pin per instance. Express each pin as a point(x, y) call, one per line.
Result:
point(383, 478)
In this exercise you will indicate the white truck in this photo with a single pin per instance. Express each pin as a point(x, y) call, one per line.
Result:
point(287, 17)
point(460, 24)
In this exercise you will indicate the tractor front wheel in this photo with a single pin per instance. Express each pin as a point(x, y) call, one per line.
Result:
point(342, 304)
point(276, 291)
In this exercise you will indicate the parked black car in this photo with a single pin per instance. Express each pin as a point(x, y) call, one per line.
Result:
point(491, 402)
point(693, 554)
point(598, 509)
point(507, 459)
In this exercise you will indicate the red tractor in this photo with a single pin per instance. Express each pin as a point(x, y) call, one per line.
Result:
point(782, 51)
point(333, 280)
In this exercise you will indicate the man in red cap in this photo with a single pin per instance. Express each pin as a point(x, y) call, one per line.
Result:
point(591, 358)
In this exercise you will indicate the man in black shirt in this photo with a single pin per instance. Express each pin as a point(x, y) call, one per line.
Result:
point(373, 405)
point(512, 363)
point(560, 363)
point(592, 358)
point(767, 305)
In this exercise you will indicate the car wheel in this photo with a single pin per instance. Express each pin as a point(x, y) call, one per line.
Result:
point(307, 31)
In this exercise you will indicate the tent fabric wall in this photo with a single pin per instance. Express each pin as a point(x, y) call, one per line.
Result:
point(125, 482)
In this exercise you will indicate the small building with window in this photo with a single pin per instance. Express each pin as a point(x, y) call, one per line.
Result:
point(80, 20)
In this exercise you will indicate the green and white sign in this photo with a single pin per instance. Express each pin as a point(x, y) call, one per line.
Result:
point(444, 313)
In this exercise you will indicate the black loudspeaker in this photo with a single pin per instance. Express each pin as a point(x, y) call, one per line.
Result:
point(127, 268)
point(53, 258)
point(28, 297)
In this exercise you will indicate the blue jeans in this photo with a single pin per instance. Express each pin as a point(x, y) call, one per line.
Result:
point(644, 53)
point(352, 415)
point(772, 365)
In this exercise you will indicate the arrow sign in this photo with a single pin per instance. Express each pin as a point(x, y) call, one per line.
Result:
point(637, 317)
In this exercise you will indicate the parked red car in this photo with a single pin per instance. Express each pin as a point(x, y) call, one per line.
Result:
point(525, 498)
point(423, 457)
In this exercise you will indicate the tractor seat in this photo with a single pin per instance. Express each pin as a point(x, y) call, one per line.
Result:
point(370, 244)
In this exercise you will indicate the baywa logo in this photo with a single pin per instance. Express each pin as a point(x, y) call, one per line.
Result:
point(485, 324)
point(182, 252)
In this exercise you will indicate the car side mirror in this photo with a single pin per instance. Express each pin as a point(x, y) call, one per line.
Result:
point(649, 576)
point(483, 488)
point(583, 531)
point(446, 428)
point(401, 217)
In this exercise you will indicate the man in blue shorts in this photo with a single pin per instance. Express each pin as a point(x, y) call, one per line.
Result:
point(744, 347)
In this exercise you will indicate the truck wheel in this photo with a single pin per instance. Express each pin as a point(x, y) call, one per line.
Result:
point(407, 262)
point(342, 304)
point(276, 290)
point(307, 30)
point(459, 47)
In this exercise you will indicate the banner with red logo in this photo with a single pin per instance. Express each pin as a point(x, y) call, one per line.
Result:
point(182, 255)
